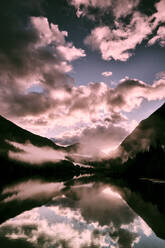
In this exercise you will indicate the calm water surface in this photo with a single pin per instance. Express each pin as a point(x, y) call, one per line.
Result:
point(81, 213)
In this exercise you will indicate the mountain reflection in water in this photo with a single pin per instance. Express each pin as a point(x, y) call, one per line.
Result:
point(79, 213)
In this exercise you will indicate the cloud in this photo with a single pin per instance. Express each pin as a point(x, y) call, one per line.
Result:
point(94, 106)
point(106, 73)
point(48, 34)
point(127, 27)
point(159, 37)
point(40, 55)
point(70, 52)
point(130, 93)
point(52, 35)
point(87, 7)
point(159, 17)
point(83, 5)
point(36, 53)
point(94, 141)
point(40, 63)
point(117, 43)
point(94, 3)
point(123, 10)
point(36, 155)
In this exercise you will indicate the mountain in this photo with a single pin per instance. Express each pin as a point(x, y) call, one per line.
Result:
point(149, 133)
point(12, 132)
point(143, 151)
point(11, 169)
point(73, 147)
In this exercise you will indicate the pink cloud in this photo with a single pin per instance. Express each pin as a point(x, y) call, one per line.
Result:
point(117, 7)
point(93, 3)
point(44, 59)
point(70, 52)
point(92, 104)
point(159, 17)
point(117, 43)
point(32, 189)
point(40, 66)
point(159, 37)
point(122, 10)
point(106, 73)
point(36, 155)
point(95, 139)
point(48, 33)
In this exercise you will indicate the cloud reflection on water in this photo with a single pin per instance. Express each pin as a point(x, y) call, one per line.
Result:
point(93, 216)
point(32, 189)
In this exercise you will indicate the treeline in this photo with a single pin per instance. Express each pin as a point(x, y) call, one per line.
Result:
point(150, 163)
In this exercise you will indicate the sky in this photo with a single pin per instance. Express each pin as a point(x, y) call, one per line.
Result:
point(85, 71)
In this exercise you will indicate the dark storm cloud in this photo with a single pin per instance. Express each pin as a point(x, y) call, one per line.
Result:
point(15, 34)
point(20, 52)
point(22, 105)
point(32, 52)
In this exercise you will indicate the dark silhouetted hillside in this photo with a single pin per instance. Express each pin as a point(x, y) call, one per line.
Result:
point(150, 132)
point(10, 131)
point(142, 153)
point(145, 147)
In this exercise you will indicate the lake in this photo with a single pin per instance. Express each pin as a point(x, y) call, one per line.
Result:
point(84, 212)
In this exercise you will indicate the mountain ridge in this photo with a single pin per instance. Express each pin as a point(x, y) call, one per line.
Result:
point(149, 132)
point(144, 149)
point(9, 131)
